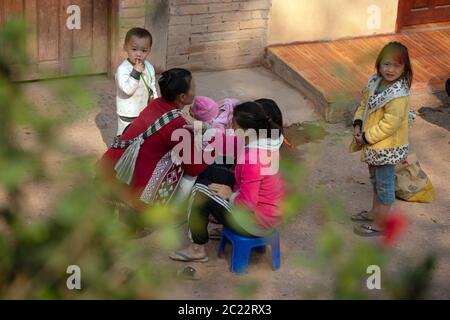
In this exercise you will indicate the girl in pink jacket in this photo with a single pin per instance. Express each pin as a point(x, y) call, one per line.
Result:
point(248, 200)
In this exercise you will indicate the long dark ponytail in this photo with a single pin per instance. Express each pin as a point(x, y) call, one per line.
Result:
point(253, 115)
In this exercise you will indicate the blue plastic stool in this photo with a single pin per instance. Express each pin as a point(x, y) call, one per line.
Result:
point(242, 248)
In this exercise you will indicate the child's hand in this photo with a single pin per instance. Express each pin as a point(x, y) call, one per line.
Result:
point(359, 139)
point(139, 66)
point(221, 190)
point(356, 131)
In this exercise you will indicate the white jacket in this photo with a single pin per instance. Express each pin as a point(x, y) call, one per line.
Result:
point(132, 95)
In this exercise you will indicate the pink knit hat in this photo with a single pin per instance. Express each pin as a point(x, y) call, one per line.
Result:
point(205, 109)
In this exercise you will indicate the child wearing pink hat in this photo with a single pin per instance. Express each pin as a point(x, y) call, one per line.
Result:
point(218, 115)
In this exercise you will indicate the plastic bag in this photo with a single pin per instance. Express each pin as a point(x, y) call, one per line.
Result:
point(412, 183)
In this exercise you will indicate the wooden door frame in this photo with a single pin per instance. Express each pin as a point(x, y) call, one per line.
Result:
point(402, 6)
point(401, 12)
point(113, 27)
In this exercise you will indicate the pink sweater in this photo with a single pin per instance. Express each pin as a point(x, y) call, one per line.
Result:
point(256, 190)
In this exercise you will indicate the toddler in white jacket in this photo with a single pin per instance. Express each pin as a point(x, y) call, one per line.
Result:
point(135, 78)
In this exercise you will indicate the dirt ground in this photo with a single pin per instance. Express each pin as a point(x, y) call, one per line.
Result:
point(329, 165)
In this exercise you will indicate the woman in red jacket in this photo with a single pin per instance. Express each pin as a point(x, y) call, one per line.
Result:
point(139, 165)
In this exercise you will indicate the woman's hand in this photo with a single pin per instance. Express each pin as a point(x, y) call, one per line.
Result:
point(221, 190)
point(190, 122)
point(188, 118)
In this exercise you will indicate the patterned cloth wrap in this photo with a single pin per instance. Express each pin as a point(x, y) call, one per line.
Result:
point(167, 174)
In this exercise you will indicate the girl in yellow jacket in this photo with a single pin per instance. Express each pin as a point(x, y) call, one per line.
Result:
point(381, 132)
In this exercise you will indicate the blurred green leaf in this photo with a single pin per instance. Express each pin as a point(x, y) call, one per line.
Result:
point(247, 289)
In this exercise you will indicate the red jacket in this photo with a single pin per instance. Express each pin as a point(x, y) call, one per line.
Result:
point(151, 151)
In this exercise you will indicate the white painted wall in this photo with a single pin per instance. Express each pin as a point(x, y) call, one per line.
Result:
point(313, 20)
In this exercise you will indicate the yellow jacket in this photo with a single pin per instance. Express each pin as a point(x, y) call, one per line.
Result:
point(385, 127)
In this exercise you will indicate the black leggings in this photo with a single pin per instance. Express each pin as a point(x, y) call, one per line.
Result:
point(203, 205)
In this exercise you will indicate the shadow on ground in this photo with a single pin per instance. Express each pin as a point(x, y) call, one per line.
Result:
point(106, 119)
point(439, 115)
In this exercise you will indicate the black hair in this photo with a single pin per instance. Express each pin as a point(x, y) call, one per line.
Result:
point(253, 115)
point(174, 82)
point(139, 33)
point(272, 110)
point(402, 56)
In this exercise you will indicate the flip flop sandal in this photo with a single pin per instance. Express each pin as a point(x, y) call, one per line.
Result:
point(179, 256)
point(215, 234)
point(366, 230)
point(362, 216)
point(188, 273)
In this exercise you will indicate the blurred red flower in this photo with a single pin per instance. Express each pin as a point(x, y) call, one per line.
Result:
point(396, 224)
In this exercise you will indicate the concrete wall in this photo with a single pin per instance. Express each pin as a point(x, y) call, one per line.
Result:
point(227, 34)
point(150, 14)
point(198, 34)
point(308, 20)
point(217, 34)
point(156, 21)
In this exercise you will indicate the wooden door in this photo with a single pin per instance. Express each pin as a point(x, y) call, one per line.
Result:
point(415, 12)
point(53, 47)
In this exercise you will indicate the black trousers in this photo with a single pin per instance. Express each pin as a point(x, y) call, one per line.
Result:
point(203, 205)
